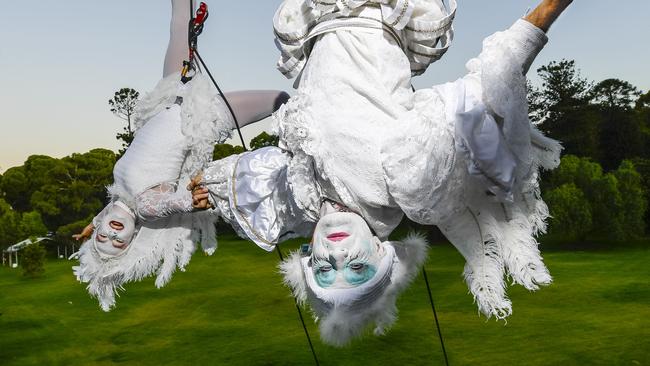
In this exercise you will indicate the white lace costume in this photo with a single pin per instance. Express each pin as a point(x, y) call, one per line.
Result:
point(176, 128)
point(462, 156)
point(172, 142)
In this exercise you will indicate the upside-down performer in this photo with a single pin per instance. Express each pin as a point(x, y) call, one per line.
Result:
point(359, 150)
point(149, 226)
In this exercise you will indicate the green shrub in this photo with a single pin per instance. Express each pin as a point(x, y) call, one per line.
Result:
point(570, 211)
point(584, 200)
point(33, 262)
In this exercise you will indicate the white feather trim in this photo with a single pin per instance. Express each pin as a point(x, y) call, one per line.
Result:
point(116, 192)
point(338, 325)
point(291, 270)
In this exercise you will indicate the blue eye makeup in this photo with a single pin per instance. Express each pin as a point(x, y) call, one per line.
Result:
point(324, 273)
point(358, 272)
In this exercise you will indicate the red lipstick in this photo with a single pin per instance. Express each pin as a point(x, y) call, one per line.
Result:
point(337, 236)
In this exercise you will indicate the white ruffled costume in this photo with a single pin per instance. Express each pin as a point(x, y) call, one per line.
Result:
point(172, 143)
point(462, 156)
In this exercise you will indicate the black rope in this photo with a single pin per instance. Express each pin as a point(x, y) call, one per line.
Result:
point(241, 137)
point(234, 118)
point(435, 315)
point(192, 40)
point(302, 320)
point(433, 306)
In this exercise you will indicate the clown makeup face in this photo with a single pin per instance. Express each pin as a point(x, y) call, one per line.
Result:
point(115, 230)
point(345, 254)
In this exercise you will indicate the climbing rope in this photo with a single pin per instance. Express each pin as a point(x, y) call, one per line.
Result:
point(435, 315)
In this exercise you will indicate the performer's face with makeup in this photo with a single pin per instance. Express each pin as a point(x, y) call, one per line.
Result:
point(115, 231)
point(345, 253)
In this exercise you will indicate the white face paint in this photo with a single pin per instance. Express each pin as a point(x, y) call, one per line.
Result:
point(115, 231)
point(345, 254)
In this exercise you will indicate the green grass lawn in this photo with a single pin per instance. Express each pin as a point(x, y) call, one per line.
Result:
point(231, 309)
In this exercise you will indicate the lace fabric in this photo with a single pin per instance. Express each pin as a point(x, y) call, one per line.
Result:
point(431, 175)
point(162, 201)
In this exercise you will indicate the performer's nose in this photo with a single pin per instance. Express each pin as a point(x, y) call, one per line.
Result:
point(339, 255)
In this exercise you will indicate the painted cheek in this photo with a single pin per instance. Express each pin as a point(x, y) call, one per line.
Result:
point(325, 279)
point(361, 276)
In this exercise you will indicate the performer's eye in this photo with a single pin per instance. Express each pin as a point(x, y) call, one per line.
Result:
point(102, 237)
point(325, 268)
point(119, 240)
point(357, 266)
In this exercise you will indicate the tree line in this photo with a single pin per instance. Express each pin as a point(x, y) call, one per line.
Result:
point(599, 189)
point(602, 183)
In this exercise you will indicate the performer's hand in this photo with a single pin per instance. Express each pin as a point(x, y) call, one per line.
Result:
point(547, 12)
point(200, 198)
point(85, 233)
point(199, 193)
point(195, 182)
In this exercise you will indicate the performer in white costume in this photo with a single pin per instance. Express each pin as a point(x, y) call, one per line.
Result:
point(356, 138)
point(150, 225)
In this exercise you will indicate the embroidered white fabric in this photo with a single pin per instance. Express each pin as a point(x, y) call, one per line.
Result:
point(423, 28)
point(163, 200)
point(251, 191)
point(462, 152)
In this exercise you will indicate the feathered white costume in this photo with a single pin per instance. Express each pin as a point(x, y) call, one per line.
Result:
point(177, 126)
point(462, 156)
point(172, 142)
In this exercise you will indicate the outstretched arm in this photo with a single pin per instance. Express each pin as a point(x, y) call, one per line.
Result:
point(546, 13)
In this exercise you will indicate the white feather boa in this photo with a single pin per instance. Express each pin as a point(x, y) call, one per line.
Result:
point(159, 248)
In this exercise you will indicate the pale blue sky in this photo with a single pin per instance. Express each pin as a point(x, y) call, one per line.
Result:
point(60, 61)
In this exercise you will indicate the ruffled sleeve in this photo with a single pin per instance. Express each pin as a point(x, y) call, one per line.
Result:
point(492, 129)
point(253, 193)
point(428, 33)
